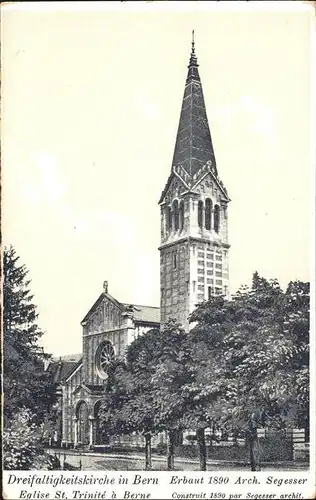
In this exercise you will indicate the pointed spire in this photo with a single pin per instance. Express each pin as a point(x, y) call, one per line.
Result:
point(193, 146)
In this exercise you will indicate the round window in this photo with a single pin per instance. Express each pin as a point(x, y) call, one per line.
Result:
point(104, 355)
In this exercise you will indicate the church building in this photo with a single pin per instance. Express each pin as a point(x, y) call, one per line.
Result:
point(193, 266)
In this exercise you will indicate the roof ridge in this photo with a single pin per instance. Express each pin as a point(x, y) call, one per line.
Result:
point(138, 305)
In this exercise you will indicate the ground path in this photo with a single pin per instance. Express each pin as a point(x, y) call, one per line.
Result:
point(120, 461)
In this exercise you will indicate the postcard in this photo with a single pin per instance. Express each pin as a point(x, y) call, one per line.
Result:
point(158, 175)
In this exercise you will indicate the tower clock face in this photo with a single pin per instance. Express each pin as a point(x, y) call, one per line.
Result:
point(104, 356)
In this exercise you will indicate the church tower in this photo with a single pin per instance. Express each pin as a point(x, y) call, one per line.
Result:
point(194, 238)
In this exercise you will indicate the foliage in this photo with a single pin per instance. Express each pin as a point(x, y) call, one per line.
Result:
point(259, 342)
point(127, 404)
point(22, 448)
point(117, 412)
point(25, 382)
point(168, 371)
point(244, 365)
point(142, 393)
point(255, 357)
point(296, 322)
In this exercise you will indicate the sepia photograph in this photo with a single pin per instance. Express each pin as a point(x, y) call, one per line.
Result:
point(157, 237)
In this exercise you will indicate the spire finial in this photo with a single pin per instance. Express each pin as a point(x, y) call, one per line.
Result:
point(193, 58)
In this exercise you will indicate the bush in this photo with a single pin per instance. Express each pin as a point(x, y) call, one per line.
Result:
point(160, 448)
point(46, 462)
point(22, 445)
point(275, 448)
point(187, 451)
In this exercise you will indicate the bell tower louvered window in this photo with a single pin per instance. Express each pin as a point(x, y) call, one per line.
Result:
point(208, 213)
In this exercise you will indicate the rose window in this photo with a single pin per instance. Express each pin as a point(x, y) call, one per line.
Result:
point(104, 356)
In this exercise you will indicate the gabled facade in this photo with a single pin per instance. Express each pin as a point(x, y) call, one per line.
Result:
point(107, 329)
point(194, 221)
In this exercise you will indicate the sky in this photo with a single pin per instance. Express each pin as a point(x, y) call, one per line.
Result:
point(91, 101)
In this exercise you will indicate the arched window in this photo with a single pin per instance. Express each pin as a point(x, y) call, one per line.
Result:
point(169, 218)
point(216, 218)
point(176, 214)
point(174, 259)
point(208, 213)
point(200, 213)
point(181, 215)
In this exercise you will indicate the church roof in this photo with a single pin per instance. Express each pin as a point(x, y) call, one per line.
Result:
point(194, 155)
point(145, 314)
point(61, 369)
point(194, 145)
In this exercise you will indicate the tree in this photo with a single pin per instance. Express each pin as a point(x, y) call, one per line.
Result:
point(128, 405)
point(201, 393)
point(143, 392)
point(22, 445)
point(204, 391)
point(244, 365)
point(259, 351)
point(295, 370)
point(169, 372)
point(25, 382)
